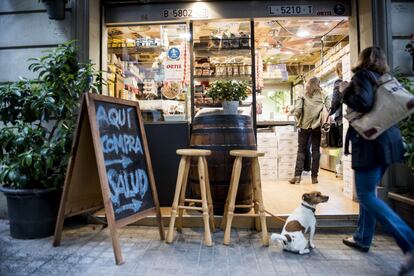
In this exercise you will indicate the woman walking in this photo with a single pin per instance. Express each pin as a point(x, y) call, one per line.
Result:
point(370, 159)
point(309, 111)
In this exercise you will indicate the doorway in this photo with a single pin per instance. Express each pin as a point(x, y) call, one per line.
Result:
point(288, 53)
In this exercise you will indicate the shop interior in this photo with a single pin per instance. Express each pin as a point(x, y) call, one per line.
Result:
point(281, 54)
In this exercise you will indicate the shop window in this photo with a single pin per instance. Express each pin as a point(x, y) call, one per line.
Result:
point(151, 64)
point(222, 51)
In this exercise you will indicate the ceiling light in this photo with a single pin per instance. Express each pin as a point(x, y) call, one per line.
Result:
point(301, 52)
point(303, 33)
point(287, 52)
point(309, 43)
point(326, 23)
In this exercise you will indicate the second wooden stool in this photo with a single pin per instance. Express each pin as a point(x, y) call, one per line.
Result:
point(180, 191)
point(257, 195)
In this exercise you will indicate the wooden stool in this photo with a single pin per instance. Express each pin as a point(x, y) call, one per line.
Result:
point(257, 195)
point(180, 191)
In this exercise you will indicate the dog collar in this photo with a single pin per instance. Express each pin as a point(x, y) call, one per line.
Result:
point(310, 208)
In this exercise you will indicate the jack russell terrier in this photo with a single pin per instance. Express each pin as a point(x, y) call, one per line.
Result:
point(301, 221)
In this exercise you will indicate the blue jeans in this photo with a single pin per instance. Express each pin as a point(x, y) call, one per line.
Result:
point(372, 208)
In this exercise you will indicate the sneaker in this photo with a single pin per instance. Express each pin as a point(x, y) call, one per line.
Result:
point(352, 243)
point(295, 180)
point(315, 180)
point(408, 265)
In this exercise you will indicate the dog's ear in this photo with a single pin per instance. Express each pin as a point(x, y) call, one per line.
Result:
point(306, 197)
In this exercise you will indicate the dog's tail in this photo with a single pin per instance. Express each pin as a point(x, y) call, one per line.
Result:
point(284, 238)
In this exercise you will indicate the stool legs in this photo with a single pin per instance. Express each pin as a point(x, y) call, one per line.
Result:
point(202, 177)
point(257, 222)
point(232, 198)
point(209, 197)
point(180, 180)
point(182, 194)
point(260, 216)
point(226, 205)
point(259, 198)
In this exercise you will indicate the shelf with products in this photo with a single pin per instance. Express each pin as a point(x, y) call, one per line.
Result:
point(135, 50)
point(226, 67)
point(327, 66)
point(225, 40)
point(213, 78)
point(203, 51)
point(151, 65)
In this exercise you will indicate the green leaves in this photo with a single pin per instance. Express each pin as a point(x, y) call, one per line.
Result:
point(407, 126)
point(40, 116)
point(228, 90)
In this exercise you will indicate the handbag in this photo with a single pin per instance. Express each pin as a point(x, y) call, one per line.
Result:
point(330, 135)
point(392, 103)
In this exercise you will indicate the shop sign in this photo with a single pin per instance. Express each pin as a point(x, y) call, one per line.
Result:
point(173, 53)
point(174, 70)
point(337, 9)
point(185, 13)
point(174, 65)
point(291, 10)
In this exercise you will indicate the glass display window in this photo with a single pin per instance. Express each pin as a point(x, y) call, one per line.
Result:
point(222, 51)
point(151, 64)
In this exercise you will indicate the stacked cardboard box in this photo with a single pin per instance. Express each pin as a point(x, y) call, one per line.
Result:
point(267, 143)
point(287, 143)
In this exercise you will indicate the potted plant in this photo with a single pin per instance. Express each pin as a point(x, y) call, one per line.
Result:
point(399, 180)
point(39, 117)
point(230, 93)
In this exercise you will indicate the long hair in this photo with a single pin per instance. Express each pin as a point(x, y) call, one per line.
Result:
point(313, 87)
point(373, 59)
point(338, 69)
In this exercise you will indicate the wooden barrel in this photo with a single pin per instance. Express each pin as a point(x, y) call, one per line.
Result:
point(221, 133)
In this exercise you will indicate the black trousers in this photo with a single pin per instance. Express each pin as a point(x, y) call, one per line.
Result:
point(308, 156)
point(303, 137)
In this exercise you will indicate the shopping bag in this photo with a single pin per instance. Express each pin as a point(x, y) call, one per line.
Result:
point(392, 103)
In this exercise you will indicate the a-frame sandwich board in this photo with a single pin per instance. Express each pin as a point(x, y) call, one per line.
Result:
point(110, 167)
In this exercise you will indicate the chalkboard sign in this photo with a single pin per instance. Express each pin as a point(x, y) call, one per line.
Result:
point(110, 165)
point(124, 158)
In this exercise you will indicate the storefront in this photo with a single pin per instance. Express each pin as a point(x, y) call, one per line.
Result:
point(166, 56)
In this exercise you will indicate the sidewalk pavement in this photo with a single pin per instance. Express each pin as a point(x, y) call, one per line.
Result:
point(87, 250)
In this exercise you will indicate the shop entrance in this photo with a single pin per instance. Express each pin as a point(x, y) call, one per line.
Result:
point(288, 53)
point(168, 67)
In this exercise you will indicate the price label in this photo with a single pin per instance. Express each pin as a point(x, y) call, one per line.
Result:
point(185, 13)
point(290, 10)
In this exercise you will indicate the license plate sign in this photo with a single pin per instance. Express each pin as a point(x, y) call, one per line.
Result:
point(185, 13)
point(287, 10)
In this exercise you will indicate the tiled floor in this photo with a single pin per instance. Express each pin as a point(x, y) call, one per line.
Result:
point(87, 251)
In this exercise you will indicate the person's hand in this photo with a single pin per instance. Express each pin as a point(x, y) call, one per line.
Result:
point(343, 85)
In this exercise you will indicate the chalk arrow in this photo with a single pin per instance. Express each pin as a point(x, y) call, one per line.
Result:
point(125, 161)
point(135, 206)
